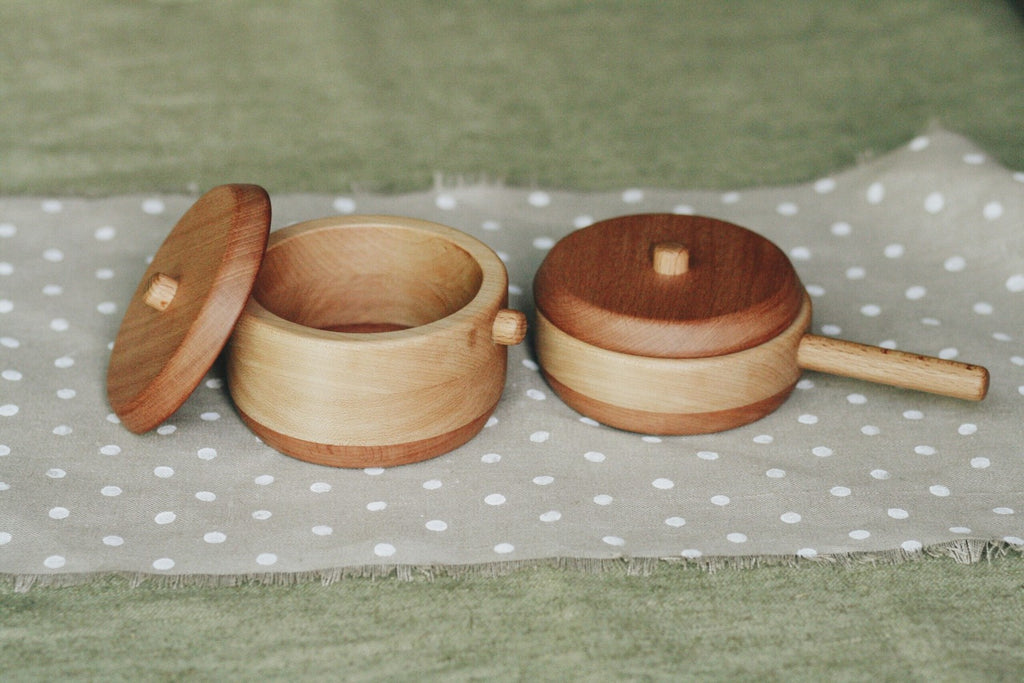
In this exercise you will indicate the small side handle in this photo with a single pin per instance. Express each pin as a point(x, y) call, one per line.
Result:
point(509, 327)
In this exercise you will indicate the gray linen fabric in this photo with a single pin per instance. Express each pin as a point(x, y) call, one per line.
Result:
point(922, 250)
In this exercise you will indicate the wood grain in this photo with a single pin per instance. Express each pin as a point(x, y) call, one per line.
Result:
point(171, 334)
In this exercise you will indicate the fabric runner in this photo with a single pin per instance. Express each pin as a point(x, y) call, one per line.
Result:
point(921, 250)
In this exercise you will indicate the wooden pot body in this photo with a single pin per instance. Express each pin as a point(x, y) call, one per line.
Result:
point(654, 395)
point(371, 341)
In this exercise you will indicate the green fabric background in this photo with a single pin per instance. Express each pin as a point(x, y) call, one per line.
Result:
point(108, 97)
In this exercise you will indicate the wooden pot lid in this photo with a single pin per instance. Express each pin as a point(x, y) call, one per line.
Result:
point(669, 286)
point(187, 304)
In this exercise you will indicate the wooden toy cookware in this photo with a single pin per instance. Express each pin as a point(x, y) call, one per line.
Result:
point(355, 341)
point(669, 324)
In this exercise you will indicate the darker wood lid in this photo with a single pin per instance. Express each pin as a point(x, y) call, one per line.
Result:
point(187, 304)
point(670, 286)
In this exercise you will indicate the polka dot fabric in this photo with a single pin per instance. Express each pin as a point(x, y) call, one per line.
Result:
point(920, 250)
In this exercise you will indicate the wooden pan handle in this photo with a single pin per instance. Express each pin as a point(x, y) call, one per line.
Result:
point(895, 368)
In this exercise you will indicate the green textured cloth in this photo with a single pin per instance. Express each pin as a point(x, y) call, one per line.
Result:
point(109, 98)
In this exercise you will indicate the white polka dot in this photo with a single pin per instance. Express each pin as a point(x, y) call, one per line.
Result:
point(263, 480)
point(266, 559)
point(504, 548)
point(1015, 283)
point(530, 364)
point(374, 471)
point(1017, 360)
point(924, 450)
point(322, 530)
point(719, 500)
point(938, 490)
point(911, 546)
point(871, 310)
point(344, 205)
point(104, 274)
point(206, 496)
point(857, 399)
point(736, 537)
point(153, 206)
point(855, 273)
point(536, 394)
point(934, 202)
point(913, 415)
point(543, 243)
point(807, 553)
point(775, 473)
point(432, 484)
point(111, 491)
point(840, 491)
point(262, 515)
point(53, 255)
point(6, 305)
point(207, 453)
point(815, 290)
point(831, 330)
point(824, 185)
point(876, 193)
point(933, 322)
point(62, 430)
point(650, 439)
point(445, 202)
point(730, 198)
point(603, 499)
point(983, 308)
point(880, 474)
point(841, 229)
point(540, 437)
point(494, 499)
point(967, 428)
point(165, 517)
point(490, 458)
point(551, 516)
point(110, 449)
point(8, 230)
point(59, 513)
point(800, 254)
point(163, 564)
point(320, 487)
point(436, 525)
point(1003, 511)
point(107, 308)
point(166, 430)
point(214, 383)
point(919, 143)
point(980, 463)
point(675, 522)
point(66, 394)
point(163, 472)
point(210, 416)
point(870, 430)
point(376, 506)
point(105, 234)
point(707, 455)
point(663, 484)
point(974, 158)
point(808, 419)
point(491, 225)
point(543, 480)
point(764, 438)
point(53, 290)
point(539, 199)
point(60, 325)
point(916, 292)
point(822, 451)
point(11, 375)
point(614, 540)
point(691, 553)
point(9, 342)
point(113, 541)
point(4, 450)
point(898, 513)
point(859, 534)
point(54, 562)
point(214, 537)
point(56, 473)
point(683, 210)
point(992, 211)
point(787, 209)
point(594, 456)
point(582, 221)
point(960, 529)
point(633, 196)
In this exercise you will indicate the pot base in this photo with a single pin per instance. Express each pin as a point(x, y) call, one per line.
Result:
point(667, 424)
point(386, 455)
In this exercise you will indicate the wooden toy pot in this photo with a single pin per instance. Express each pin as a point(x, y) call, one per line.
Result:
point(366, 341)
point(667, 324)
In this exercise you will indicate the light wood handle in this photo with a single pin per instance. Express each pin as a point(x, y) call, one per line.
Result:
point(671, 258)
point(895, 368)
point(162, 289)
point(509, 327)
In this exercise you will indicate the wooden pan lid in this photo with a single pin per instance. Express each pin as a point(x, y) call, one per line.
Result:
point(669, 286)
point(187, 304)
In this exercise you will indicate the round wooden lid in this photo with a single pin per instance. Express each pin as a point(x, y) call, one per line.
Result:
point(187, 304)
point(669, 286)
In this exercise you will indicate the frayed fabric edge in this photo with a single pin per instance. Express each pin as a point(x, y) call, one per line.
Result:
point(964, 551)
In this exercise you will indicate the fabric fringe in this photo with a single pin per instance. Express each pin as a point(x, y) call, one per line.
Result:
point(965, 551)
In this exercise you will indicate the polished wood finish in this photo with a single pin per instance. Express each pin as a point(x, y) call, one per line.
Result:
point(186, 304)
point(419, 364)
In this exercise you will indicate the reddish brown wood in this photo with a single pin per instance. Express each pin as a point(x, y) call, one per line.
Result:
point(172, 333)
point(600, 285)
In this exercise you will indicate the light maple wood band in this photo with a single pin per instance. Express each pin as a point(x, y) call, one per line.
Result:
point(671, 258)
point(894, 368)
point(673, 385)
point(509, 327)
point(162, 289)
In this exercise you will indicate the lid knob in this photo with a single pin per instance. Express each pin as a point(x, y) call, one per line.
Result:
point(162, 289)
point(671, 258)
